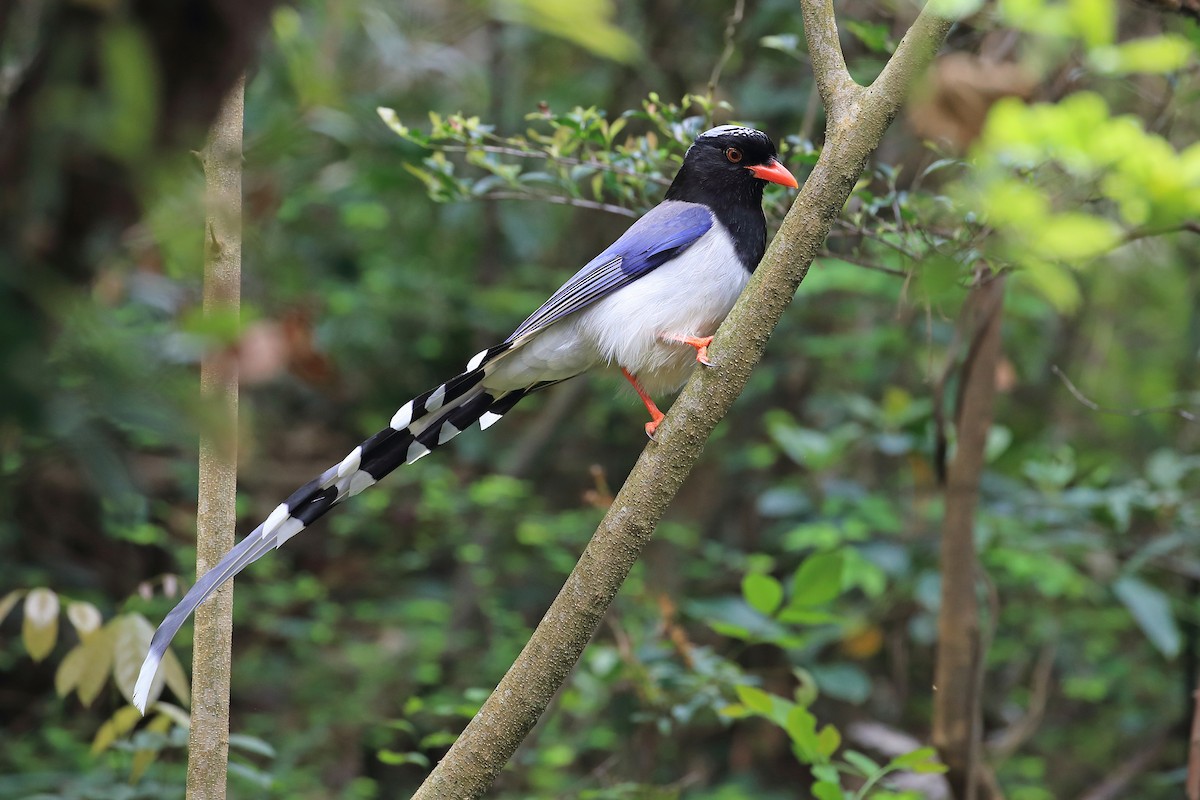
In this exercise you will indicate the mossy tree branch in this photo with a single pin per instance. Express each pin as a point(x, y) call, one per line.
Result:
point(857, 119)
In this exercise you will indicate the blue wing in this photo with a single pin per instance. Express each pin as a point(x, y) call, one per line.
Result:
point(663, 233)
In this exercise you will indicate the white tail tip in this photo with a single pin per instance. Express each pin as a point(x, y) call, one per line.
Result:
point(141, 690)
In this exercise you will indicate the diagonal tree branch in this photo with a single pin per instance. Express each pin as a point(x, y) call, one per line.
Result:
point(494, 734)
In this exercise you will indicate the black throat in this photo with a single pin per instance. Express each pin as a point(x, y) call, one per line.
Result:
point(737, 204)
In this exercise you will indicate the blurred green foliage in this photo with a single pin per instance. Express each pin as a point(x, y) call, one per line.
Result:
point(787, 607)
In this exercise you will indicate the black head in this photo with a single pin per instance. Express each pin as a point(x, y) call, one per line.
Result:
point(726, 169)
point(729, 163)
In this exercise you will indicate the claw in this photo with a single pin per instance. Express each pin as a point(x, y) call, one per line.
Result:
point(701, 344)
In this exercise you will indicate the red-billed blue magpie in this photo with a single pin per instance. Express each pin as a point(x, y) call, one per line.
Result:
point(648, 305)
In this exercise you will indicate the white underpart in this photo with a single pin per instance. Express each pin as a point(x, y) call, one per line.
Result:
point(689, 296)
point(402, 417)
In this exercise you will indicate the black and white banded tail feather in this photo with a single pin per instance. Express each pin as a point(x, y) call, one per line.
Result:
point(419, 427)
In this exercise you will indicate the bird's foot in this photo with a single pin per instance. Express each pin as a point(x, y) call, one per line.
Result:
point(656, 416)
point(701, 344)
point(652, 425)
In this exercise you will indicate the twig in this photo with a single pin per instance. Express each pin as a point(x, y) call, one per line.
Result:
point(562, 200)
point(851, 259)
point(1182, 413)
point(877, 237)
point(1039, 692)
point(838, 90)
point(1114, 786)
point(1145, 233)
point(1193, 761)
point(516, 152)
point(731, 25)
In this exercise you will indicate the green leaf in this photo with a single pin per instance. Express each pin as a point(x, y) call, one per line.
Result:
point(392, 120)
point(9, 602)
point(130, 645)
point(1055, 283)
point(40, 627)
point(801, 727)
point(143, 758)
point(1095, 20)
point(98, 658)
point(1155, 54)
point(762, 592)
point(818, 581)
point(783, 42)
point(843, 681)
point(119, 724)
point(67, 676)
point(875, 35)
point(587, 23)
point(754, 698)
point(865, 765)
point(733, 711)
point(395, 758)
point(1075, 237)
point(911, 759)
point(85, 618)
point(174, 677)
point(262, 780)
point(176, 713)
point(954, 9)
point(824, 790)
point(1152, 611)
point(251, 744)
point(828, 741)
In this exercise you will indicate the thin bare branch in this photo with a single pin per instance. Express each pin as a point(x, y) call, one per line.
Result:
point(856, 261)
point(838, 90)
point(1146, 233)
point(1182, 413)
point(563, 200)
point(1115, 785)
point(216, 515)
point(517, 152)
point(1192, 783)
point(731, 26)
point(911, 58)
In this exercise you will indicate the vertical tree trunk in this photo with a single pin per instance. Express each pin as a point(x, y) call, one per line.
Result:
point(957, 729)
point(208, 742)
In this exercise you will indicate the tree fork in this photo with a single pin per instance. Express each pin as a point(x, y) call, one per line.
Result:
point(856, 120)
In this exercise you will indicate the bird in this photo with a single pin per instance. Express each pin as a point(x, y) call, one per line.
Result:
point(648, 305)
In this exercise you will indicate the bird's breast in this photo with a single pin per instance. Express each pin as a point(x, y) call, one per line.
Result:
point(688, 296)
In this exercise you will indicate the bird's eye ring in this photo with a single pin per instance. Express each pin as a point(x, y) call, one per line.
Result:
point(733, 154)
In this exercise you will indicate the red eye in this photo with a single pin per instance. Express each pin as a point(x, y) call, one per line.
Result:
point(733, 154)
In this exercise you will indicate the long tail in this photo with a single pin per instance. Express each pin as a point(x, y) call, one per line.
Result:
point(420, 426)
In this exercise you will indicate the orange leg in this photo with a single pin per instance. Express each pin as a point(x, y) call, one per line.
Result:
point(656, 416)
point(701, 344)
